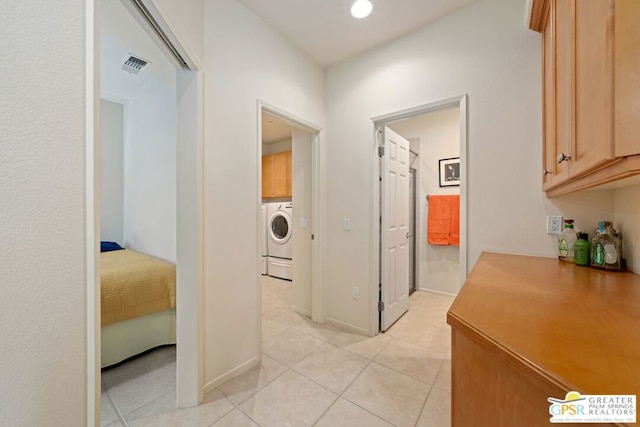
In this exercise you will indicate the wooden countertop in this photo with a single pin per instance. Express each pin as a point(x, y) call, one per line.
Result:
point(576, 326)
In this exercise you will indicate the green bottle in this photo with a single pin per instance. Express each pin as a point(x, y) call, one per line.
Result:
point(582, 249)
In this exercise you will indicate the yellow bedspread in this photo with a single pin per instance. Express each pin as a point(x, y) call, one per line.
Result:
point(133, 285)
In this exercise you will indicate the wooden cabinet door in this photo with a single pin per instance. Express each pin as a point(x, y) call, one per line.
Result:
point(593, 143)
point(282, 174)
point(564, 28)
point(548, 100)
point(267, 176)
point(627, 78)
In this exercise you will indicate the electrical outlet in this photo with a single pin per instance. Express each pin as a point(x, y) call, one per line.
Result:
point(355, 292)
point(554, 224)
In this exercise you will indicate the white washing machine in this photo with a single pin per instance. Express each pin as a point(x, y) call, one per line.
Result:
point(279, 242)
point(264, 251)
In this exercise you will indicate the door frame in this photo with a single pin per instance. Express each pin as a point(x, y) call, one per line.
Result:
point(318, 199)
point(413, 172)
point(461, 102)
point(189, 215)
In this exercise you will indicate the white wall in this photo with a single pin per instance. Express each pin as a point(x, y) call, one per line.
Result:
point(486, 51)
point(42, 215)
point(111, 171)
point(150, 167)
point(149, 195)
point(246, 61)
point(626, 218)
point(438, 133)
point(276, 147)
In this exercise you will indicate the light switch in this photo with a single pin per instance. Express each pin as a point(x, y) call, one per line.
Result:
point(346, 224)
point(304, 222)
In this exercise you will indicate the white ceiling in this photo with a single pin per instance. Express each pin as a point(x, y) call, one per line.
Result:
point(120, 35)
point(327, 32)
point(274, 130)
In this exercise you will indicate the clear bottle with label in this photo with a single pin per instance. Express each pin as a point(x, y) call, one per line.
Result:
point(566, 242)
point(606, 247)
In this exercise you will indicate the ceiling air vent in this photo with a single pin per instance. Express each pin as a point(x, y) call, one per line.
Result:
point(134, 65)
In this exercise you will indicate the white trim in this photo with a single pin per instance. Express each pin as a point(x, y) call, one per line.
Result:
point(464, 183)
point(436, 292)
point(301, 310)
point(239, 370)
point(461, 103)
point(319, 199)
point(92, 212)
point(347, 326)
point(190, 240)
point(286, 117)
point(317, 224)
point(191, 391)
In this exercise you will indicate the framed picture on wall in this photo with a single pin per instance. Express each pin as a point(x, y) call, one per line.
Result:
point(450, 172)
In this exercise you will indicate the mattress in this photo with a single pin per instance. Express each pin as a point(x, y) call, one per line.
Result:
point(128, 338)
point(134, 285)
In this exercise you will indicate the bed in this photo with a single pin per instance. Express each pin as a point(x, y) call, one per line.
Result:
point(138, 303)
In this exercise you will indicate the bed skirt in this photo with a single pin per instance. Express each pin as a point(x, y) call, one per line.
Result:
point(125, 339)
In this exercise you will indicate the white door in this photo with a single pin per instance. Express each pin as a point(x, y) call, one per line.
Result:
point(395, 228)
point(302, 143)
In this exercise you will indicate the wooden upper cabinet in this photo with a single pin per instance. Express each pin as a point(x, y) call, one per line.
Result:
point(277, 175)
point(627, 78)
point(591, 84)
point(593, 144)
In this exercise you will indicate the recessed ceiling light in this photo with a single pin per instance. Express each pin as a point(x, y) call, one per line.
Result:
point(361, 9)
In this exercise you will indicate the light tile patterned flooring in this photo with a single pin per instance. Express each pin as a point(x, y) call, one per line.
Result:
point(310, 375)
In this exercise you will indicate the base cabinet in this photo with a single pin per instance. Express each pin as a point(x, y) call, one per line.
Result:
point(526, 329)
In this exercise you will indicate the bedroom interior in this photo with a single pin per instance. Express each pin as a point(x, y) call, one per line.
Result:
point(138, 213)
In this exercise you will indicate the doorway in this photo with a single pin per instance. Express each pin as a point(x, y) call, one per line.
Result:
point(186, 187)
point(385, 287)
point(283, 135)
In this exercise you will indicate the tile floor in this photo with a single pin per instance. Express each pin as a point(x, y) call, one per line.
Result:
point(310, 375)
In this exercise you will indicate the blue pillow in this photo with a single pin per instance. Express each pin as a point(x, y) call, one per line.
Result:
point(110, 246)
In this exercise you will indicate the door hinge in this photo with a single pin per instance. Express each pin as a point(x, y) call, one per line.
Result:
point(313, 237)
point(380, 306)
point(381, 151)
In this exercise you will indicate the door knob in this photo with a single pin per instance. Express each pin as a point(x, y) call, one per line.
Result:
point(562, 157)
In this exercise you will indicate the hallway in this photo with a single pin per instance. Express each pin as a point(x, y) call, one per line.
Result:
point(310, 375)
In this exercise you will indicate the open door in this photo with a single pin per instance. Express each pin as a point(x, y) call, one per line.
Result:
point(394, 239)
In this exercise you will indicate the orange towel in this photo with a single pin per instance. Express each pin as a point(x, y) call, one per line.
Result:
point(454, 233)
point(443, 220)
point(439, 220)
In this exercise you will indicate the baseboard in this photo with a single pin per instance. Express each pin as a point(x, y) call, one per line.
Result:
point(239, 370)
point(301, 310)
point(437, 292)
point(347, 327)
